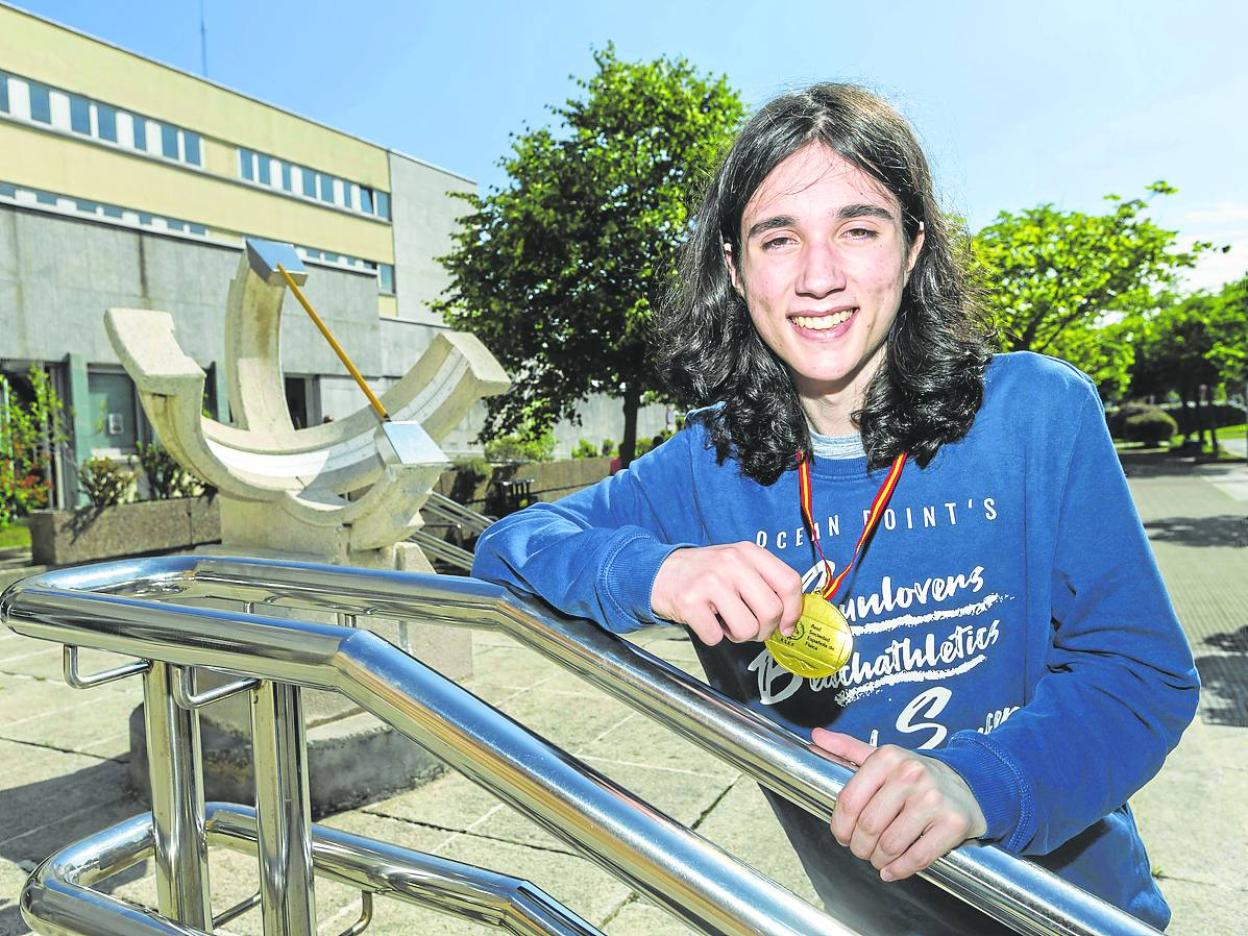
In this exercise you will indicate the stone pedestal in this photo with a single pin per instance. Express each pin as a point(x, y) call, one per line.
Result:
point(352, 760)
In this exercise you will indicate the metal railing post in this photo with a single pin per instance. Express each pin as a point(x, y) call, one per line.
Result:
point(180, 845)
point(283, 810)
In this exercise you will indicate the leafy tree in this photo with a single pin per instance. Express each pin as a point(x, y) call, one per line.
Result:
point(558, 272)
point(1054, 280)
point(1197, 341)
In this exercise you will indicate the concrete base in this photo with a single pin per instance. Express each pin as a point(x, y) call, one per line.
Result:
point(351, 761)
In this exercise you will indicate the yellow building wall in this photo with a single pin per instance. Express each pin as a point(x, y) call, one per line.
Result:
point(68, 60)
point(60, 163)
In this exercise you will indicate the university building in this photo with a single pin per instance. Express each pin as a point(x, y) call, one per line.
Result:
point(125, 182)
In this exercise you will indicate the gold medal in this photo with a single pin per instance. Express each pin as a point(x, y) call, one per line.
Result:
point(821, 643)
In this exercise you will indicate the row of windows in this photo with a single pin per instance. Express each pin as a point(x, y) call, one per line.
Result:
point(39, 103)
point(321, 186)
point(83, 207)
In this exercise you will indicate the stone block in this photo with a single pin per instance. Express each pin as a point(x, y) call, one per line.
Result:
point(68, 537)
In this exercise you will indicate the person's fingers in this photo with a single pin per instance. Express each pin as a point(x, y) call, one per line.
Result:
point(857, 794)
point(763, 604)
point(939, 838)
point(884, 811)
point(737, 619)
point(786, 584)
point(841, 746)
point(918, 810)
point(705, 625)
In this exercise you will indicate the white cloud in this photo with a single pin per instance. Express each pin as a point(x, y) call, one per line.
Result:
point(1214, 268)
point(1226, 212)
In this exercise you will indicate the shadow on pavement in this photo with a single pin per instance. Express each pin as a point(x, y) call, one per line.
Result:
point(1224, 679)
point(1159, 463)
point(1219, 530)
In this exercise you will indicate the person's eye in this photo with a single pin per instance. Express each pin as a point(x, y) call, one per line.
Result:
point(862, 233)
point(778, 242)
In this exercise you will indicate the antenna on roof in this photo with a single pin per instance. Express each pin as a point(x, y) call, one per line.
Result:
point(203, 41)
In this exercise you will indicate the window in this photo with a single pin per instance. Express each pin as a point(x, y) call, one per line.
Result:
point(140, 132)
point(4, 92)
point(58, 108)
point(263, 176)
point(191, 140)
point(106, 122)
point(169, 141)
point(383, 205)
point(244, 164)
point(326, 185)
point(385, 278)
point(125, 129)
point(40, 102)
point(45, 198)
point(286, 183)
point(366, 199)
point(309, 182)
point(79, 114)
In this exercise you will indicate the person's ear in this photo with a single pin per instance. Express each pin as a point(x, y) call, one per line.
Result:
point(916, 248)
point(730, 264)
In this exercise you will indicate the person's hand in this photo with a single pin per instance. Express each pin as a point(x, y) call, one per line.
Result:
point(739, 591)
point(900, 811)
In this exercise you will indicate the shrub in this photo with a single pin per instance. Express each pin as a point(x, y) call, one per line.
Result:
point(585, 449)
point(1152, 428)
point(517, 448)
point(608, 448)
point(469, 473)
point(1117, 419)
point(166, 478)
point(29, 434)
point(646, 445)
point(104, 481)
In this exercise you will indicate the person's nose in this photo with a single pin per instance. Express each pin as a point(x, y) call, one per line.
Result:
point(823, 271)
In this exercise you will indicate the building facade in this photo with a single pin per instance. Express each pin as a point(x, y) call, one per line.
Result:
point(125, 182)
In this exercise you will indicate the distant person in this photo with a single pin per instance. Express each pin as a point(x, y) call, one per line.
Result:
point(1018, 671)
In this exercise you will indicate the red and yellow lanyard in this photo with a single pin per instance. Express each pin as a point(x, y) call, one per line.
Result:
point(873, 516)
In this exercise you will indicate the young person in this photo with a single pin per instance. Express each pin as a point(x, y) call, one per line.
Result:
point(1017, 670)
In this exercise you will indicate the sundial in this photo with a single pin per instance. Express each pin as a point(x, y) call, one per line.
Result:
point(335, 492)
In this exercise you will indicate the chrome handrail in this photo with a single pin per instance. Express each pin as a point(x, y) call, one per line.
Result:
point(63, 882)
point(94, 607)
point(675, 868)
point(444, 508)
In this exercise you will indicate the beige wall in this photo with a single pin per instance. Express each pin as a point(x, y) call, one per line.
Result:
point(62, 163)
point(34, 48)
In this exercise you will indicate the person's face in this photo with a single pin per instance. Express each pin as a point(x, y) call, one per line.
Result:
point(822, 268)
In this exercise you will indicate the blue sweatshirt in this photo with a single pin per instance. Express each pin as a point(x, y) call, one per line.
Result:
point(1008, 616)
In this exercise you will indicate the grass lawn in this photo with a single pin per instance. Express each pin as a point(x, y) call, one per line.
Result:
point(15, 536)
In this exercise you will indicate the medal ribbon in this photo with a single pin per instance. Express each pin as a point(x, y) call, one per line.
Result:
point(868, 527)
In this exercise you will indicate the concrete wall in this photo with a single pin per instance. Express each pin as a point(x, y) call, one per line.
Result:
point(59, 274)
point(424, 222)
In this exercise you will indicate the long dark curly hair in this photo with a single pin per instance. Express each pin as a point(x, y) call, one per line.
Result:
point(930, 385)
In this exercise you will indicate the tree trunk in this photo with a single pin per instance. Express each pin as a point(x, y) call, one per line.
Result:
point(1201, 416)
point(632, 403)
point(1185, 399)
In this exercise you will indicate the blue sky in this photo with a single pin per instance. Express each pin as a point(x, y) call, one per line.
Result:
point(1017, 103)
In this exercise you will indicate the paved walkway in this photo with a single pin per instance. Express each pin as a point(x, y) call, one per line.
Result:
point(64, 754)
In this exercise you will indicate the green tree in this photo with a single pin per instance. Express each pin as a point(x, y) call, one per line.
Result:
point(1055, 281)
point(558, 272)
point(1198, 341)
